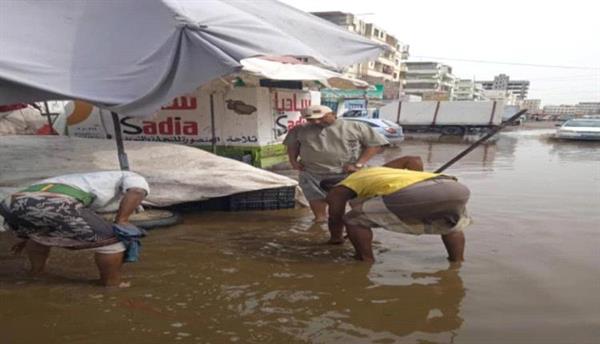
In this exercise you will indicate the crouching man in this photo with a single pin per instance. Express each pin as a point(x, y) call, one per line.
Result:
point(401, 198)
point(60, 212)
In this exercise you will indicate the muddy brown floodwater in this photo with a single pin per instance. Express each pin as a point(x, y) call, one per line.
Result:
point(532, 273)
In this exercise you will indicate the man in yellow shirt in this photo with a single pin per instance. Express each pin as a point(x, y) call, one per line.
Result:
point(399, 197)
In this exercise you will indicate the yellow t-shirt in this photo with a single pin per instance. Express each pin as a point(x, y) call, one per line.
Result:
point(381, 181)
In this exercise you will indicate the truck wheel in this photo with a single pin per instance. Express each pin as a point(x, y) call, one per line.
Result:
point(453, 130)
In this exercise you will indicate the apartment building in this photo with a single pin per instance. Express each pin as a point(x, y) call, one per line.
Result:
point(387, 68)
point(560, 110)
point(580, 109)
point(426, 78)
point(532, 105)
point(589, 108)
point(519, 88)
point(501, 95)
point(467, 89)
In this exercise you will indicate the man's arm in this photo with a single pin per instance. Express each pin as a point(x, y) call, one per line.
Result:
point(368, 153)
point(364, 157)
point(293, 151)
point(337, 198)
point(132, 199)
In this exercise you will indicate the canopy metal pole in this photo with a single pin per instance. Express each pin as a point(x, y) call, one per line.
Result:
point(48, 114)
point(123, 161)
point(212, 124)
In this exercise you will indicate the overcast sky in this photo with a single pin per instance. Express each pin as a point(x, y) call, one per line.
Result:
point(562, 34)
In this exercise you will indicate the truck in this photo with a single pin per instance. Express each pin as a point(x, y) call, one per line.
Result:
point(444, 117)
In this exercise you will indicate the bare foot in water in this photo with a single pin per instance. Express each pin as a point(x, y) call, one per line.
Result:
point(335, 241)
point(360, 258)
point(124, 285)
point(320, 220)
point(115, 286)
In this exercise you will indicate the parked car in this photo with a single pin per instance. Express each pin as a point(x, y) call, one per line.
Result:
point(369, 113)
point(579, 129)
point(390, 130)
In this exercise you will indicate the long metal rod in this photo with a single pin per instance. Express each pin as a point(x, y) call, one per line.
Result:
point(123, 161)
point(48, 114)
point(212, 124)
point(480, 141)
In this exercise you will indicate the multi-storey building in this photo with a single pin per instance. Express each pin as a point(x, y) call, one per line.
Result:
point(560, 110)
point(580, 109)
point(532, 105)
point(467, 89)
point(519, 88)
point(589, 108)
point(427, 78)
point(387, 68)
point(501, 95)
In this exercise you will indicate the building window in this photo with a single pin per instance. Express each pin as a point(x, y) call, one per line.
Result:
point(376, 32)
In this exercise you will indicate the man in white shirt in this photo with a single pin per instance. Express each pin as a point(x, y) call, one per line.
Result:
point(326, 147)
point(60, 212)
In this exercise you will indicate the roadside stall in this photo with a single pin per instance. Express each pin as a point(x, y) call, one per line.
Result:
point(237, 117)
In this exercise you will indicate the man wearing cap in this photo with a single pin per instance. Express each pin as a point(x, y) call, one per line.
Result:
point(326, 147)
point(60, 212)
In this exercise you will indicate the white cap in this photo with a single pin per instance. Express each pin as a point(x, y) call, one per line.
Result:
point(316, 111)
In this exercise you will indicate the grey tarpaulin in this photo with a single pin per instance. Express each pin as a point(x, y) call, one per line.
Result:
point(191, 174)
point(132, 56)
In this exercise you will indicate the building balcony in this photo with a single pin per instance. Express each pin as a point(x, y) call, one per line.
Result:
point(422, 71)
point(421, 80)
point(386, 61)
point(378, 74)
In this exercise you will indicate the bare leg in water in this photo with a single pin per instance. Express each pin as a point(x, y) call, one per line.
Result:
point(455, 245)
point(38, 256)
point(362, 240)
point(319, 209)
point(109, 266)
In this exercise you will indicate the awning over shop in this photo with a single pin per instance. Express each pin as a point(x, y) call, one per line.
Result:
point(293, 69)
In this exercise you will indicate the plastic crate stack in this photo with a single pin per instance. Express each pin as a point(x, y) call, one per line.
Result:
point(268, 199)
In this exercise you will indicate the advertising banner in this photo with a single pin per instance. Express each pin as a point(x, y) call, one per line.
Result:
point(287, 106)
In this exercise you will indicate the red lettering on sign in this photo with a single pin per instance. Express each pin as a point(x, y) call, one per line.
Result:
point(182, 103)
point(170, 126)
point(190, 128)
point(291, 104)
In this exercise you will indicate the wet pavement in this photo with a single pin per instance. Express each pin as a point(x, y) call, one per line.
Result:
point(532, 272)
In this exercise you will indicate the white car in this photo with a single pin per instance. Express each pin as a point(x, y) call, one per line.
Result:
point(390, 130)
point(580, 129)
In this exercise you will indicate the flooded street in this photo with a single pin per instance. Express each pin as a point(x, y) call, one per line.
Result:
point(532, 270)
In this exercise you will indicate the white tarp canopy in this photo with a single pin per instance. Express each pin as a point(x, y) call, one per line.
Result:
point(132, 56)
point(288, 69)
point(198, 174)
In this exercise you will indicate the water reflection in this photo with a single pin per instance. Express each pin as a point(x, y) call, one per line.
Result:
point(573, 151)
point(434, 154)
point(317, 293)
point(262, 277)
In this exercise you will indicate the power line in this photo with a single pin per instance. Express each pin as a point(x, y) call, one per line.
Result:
point(510, 63)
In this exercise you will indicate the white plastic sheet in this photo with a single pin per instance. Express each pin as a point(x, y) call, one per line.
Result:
point(176, 173)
